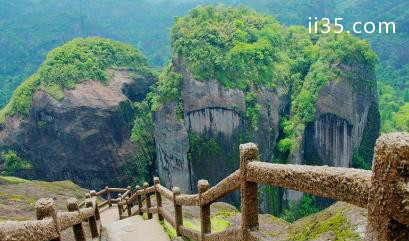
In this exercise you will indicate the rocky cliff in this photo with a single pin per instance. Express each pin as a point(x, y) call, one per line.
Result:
point(214, 119)
point(320, 106)
point(84, 137)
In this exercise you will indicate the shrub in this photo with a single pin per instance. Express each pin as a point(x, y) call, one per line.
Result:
point(12, 163)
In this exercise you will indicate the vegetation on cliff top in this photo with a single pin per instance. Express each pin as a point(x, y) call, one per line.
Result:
point(246, 50)
point(315, 64)
point(238, 47)
point(75, 62)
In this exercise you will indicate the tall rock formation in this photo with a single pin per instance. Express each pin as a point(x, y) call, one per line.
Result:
point(85, 136)
point(214, 120)
point(336, 116)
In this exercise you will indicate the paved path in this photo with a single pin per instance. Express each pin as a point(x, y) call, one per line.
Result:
point(131, 229)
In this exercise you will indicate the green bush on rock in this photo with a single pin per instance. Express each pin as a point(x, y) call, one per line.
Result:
point(12, 163)
point(77, 61)
point(238, 47)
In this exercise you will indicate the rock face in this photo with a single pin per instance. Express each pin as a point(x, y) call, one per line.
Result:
point(217, 116)
point(346, 111)
point(341, 118)
point(346, 120)
point(84, 137)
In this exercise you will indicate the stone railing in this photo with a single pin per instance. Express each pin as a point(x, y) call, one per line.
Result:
point(50, 223)
point(383, 191)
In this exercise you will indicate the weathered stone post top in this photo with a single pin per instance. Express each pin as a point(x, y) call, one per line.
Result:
point(388, 203)
point(72, 204)
point(248, 152)
point(45, 208)
point(202, 186)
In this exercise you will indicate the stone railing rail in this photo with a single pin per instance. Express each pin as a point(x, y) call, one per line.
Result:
point(384, 191)
point(50, 223)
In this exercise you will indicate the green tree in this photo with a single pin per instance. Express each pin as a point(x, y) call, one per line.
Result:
point(12, 163)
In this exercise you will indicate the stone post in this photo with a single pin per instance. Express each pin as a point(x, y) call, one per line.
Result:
point(72, 206)
point(120, 206)
point(148, 200)
point(139, 199)
point(130, 193)
point(156, 182)
point(45, 209)
point(128, 206)
point(203, 186)
point(388, 203)
point(249, 193)
point(94, 195)
point(108, 196)
point(92, 220)
point(178, 211)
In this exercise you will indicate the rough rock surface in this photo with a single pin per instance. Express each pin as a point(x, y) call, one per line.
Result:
point(346, 116)
point(84, 137)
point(342, 115)
point(211, 112)
point(346, 119)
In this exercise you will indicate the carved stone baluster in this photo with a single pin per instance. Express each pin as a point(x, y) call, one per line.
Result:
point(45, 209)
point(249, 192)
point(156, 182)
point(203, 186)
point(148, 200)
point(92, 220)
point(72, 206)
point(388, 203)
point(178, 211)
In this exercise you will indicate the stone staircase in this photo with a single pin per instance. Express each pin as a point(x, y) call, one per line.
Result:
point(134, 228)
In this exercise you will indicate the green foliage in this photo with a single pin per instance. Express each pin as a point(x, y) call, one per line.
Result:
point(252, 109)
point(74, 62)
point(402, 118)
point(337, 224)
point(359, 162)
point(304, 208)
point(12, 180)
point(169, 89)
point(314, 63)
point(202, 148)
point(236, 46)
point(137, 169)
point(87, 59)
point(285, 144)
point(12, 163)
point(393, 109)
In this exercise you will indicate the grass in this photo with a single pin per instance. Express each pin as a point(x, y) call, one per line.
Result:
point(12, 180)
point(18, 196)
point(169, 230)
point(337, 223)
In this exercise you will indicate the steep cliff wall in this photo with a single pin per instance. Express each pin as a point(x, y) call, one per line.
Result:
point(203, 143)
point(341, 117)
point(243, 77)
point(84, 137)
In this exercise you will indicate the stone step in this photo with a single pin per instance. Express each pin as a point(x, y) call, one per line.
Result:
point(136, 229)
